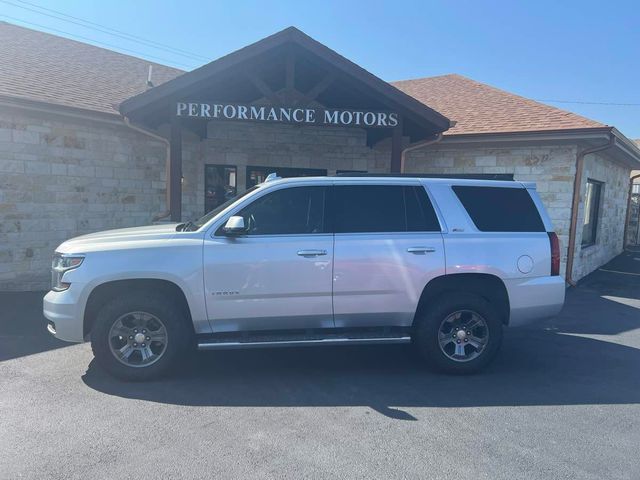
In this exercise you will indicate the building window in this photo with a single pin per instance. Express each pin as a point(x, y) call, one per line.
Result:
point(219, 185)
point(591, 212)
point(256, 175)
point(635, 189)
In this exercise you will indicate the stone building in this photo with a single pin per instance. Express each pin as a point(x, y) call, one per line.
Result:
point(91, 139)
point(632, 237)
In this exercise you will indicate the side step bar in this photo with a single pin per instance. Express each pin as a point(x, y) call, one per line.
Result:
point(228, 345)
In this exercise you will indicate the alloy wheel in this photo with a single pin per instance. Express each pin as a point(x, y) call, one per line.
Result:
point(138, 339)
point(463, 335)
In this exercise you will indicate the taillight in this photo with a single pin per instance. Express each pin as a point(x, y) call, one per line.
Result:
point(554, 242)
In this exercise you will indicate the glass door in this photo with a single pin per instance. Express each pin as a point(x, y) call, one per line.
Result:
point(219, 185)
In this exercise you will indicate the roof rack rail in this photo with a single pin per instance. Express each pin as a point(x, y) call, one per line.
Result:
point(462, 176)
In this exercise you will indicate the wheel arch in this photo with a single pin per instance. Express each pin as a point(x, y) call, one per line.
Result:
point(488, 286)
point(108, 290)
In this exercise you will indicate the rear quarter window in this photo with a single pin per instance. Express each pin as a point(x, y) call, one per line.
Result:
point(500, 209)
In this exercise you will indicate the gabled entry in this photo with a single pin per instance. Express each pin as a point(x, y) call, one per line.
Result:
point(285, 78)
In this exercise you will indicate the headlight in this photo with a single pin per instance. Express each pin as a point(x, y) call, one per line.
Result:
point(62, 263)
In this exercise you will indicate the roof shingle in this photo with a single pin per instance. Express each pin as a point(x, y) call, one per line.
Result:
point(47, 68)
point(43, 67)
point(481, 108)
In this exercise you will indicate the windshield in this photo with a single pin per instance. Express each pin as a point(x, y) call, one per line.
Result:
point(205, 218)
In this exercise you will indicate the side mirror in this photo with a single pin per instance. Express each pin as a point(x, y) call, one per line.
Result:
point(235, 226)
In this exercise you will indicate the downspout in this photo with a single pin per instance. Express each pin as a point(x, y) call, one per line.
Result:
point(628, 216)
point(149, 133)
point(416, 146)
point(575, 204)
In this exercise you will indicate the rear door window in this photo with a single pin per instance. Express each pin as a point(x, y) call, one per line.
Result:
point(382, 208)
point(500, 209)
point(421, 217)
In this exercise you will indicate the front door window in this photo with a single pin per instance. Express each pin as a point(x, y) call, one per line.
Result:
point(290, 211)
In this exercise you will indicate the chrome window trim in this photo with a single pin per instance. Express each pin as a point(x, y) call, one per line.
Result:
point(276, 235)
point(380, 234)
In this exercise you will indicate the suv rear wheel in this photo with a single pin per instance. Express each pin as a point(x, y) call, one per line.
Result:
point(140, 336)
point(461, 333)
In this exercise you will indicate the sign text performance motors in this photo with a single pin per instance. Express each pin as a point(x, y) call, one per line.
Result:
point(304, 116)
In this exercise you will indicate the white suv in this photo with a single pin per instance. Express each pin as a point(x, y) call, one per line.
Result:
point(441, 263)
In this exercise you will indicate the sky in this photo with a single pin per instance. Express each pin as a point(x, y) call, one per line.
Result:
point(582, 56)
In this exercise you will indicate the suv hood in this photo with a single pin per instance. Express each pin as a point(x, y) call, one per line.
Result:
point(119, 239)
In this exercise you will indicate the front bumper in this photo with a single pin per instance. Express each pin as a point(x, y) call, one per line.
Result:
point(63, 310)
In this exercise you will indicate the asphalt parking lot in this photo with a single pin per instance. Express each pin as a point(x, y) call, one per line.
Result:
point(561, 401)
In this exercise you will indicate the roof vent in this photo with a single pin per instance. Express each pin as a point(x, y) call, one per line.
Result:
point(149, 82)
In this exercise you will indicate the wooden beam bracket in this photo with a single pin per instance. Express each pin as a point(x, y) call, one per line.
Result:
point(290, 77)
point(318, 88)
point(261, 85)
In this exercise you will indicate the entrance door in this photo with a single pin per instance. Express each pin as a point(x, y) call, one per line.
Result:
point(277, 275)
point(219, 185)
point(388, 245)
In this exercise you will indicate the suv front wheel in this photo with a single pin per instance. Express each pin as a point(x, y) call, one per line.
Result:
point(140, 336)
point(459, 333)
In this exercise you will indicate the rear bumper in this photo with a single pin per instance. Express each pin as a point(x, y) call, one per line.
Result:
point(533, 299)
point(62, 310)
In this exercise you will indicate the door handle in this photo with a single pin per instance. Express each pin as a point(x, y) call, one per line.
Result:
point(311, 253)
point(420, 250)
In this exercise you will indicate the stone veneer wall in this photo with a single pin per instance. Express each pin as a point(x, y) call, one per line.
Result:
point(255, 144)
point(61, 177)
point(611, 219)
point(633, 227)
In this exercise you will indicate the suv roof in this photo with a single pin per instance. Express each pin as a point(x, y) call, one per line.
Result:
point(399, 178)
point(468, 176)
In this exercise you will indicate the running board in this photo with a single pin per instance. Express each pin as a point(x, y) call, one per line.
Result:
point(229, 345)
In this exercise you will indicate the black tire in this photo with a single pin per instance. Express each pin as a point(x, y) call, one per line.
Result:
point(427, 328)
point(177, 325)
